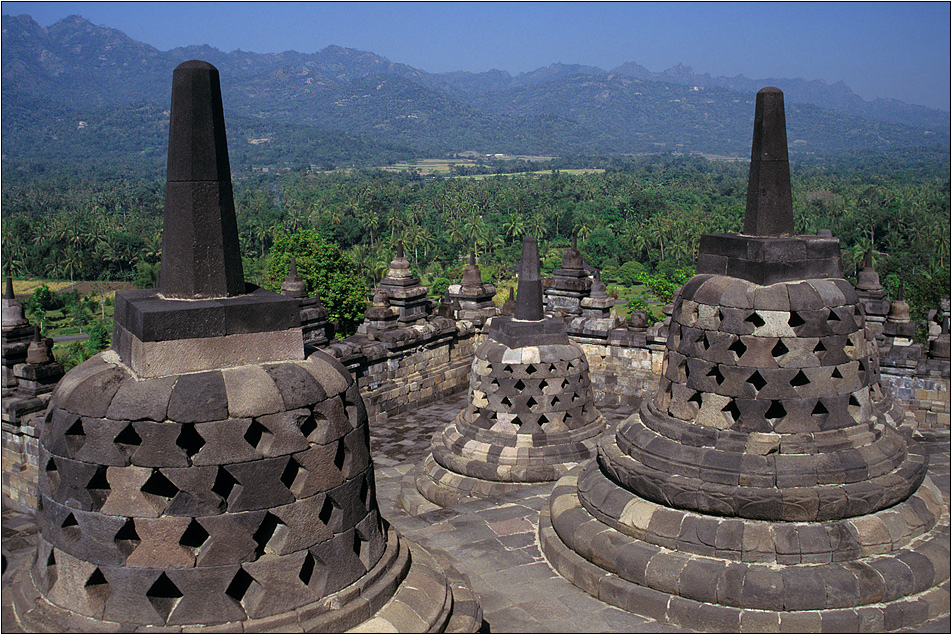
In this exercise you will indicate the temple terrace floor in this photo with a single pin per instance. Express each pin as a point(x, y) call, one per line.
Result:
point(493, 543)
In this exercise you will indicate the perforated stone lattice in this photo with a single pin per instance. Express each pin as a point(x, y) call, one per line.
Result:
point(242, 509)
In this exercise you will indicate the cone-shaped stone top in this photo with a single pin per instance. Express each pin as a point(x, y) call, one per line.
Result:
point(867, 279)
point(39, 350)
point(598, 287)
point(294, 286)
point(471, 274)
point(201, 257)
point(12, 309)
point(769, 202)
point(529, 297)
point(399, 266)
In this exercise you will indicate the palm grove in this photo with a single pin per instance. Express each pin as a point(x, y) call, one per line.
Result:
point(639, 221)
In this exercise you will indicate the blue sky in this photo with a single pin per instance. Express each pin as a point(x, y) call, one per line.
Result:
point(898, 50)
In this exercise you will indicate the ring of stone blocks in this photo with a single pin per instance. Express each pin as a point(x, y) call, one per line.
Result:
point(762, 459)
point(123, 597)
point(551, 359)
point(223, 538)
point(466, 447)
point(805, 295)
point(479, 425)
point(763, 443)
point(876, 614)
point(492, 464)
point(873, 579)
point(760, 414)
point(722, 490)
point(446, 488)
point(763, 541)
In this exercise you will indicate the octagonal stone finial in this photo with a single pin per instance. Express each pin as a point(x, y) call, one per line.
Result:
point(201, 257)
point(529, 296)
point(769, 202)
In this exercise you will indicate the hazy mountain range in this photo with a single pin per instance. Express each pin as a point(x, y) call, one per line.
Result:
point(80, 92)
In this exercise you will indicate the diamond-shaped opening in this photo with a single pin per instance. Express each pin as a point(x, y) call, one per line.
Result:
point(819, 409)
point(128, 438)
point(507, 369)
point(158, 485)
point(819, 348)
point(715, 372)
point(258, 436)
point(190, 440)
point(307, 569)
point(98, 486)
point(795, 320)
point(800, 379)
point(269, 535)
point(506, 402)
point(696, 399)
point(704, 342)
point(568, 415)
point(775, 411)
point(494, 383)
point(531, 402)
point(732, 410)
point(308, 426)
point(516, 421)
point(75, 437)
point(756, 380)
point(194, 536)
point(163, 595)
point(861, 370)
point(71, 530)
point(530, 370)
point(224, 483)
point(854, 401)
point(738, 348)
point(127, 539)
point(543, 420)
point(565, 384)
point(543, 385)
point(836, 374)
point(552, 369)
point(97, 589)
point(327, 510)
point(52, 474)
point(832, 317)
point(239, 586)
point(755, 319)
point(779, 350)
point(555, 400)
point(569, 366)
point(291, 470)
point(520, 385)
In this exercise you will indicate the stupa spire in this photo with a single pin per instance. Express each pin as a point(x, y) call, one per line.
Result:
point(769, 202)
point(529, 296)
point(201, 257)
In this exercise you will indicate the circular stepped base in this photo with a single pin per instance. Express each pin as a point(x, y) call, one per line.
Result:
point(892, 589)
point(406, 592)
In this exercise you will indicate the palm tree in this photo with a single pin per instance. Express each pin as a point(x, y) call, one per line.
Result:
point(515, 226)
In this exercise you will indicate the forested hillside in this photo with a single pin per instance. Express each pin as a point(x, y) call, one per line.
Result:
point(638, 216)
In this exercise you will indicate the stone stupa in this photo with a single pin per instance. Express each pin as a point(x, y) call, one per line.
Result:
point(206, 475)
point(762, 488)
point(531, 414)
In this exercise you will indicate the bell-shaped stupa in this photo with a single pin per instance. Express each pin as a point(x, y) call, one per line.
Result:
point(763, 487)
point(531, 414)
point(206, 475)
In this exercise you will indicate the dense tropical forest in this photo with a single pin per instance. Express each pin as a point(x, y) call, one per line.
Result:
point(638, 219)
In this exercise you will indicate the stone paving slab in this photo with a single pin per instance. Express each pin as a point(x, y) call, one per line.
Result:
point(493, 542)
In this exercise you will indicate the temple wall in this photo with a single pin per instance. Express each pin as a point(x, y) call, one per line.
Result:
point(408, 367)
point(926, 396)
point(19, 449)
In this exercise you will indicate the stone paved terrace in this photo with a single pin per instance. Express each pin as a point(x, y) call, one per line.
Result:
point(494, 543)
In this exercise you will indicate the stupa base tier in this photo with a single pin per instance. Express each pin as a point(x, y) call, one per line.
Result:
point(387, 599)
point(886, 586)
point(446, 488)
